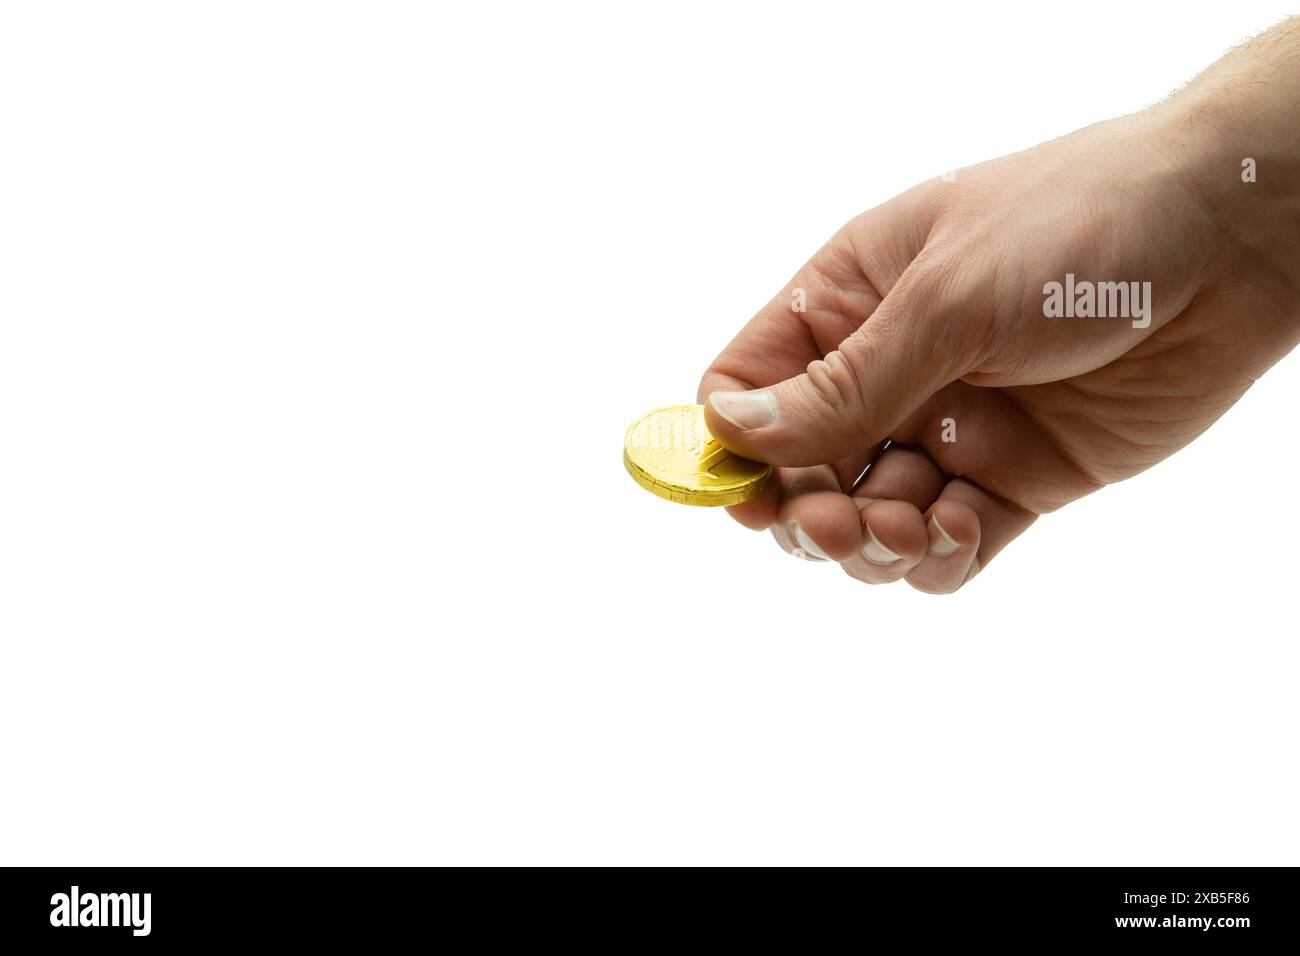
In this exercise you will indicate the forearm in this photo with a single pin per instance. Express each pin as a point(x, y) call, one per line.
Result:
point(1233, 135)
point(1253, 92)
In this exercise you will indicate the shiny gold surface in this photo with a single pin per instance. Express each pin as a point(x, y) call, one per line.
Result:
point(670, 452)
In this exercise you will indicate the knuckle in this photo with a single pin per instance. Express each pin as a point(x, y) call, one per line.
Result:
point(862, 577)
point(932, 587)
point(836, 387)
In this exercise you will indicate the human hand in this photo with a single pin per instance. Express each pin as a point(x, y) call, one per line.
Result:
point(924, 327)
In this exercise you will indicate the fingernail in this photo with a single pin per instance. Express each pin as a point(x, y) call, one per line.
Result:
point(875, 552)
point(942, 543)
point(806, 545)
point(745, 410)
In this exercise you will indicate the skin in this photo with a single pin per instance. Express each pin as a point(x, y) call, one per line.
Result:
point(930, 307)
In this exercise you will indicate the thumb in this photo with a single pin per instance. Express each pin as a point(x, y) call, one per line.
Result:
point(910, 348)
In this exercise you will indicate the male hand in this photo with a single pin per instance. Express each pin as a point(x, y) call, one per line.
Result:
point(923, 326)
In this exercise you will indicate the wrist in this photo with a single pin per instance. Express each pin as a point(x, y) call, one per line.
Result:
point(1231, 140)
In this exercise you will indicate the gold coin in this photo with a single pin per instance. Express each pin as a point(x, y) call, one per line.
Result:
point(670, 452)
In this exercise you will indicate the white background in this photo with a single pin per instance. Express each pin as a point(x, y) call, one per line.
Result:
point(320, 325)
